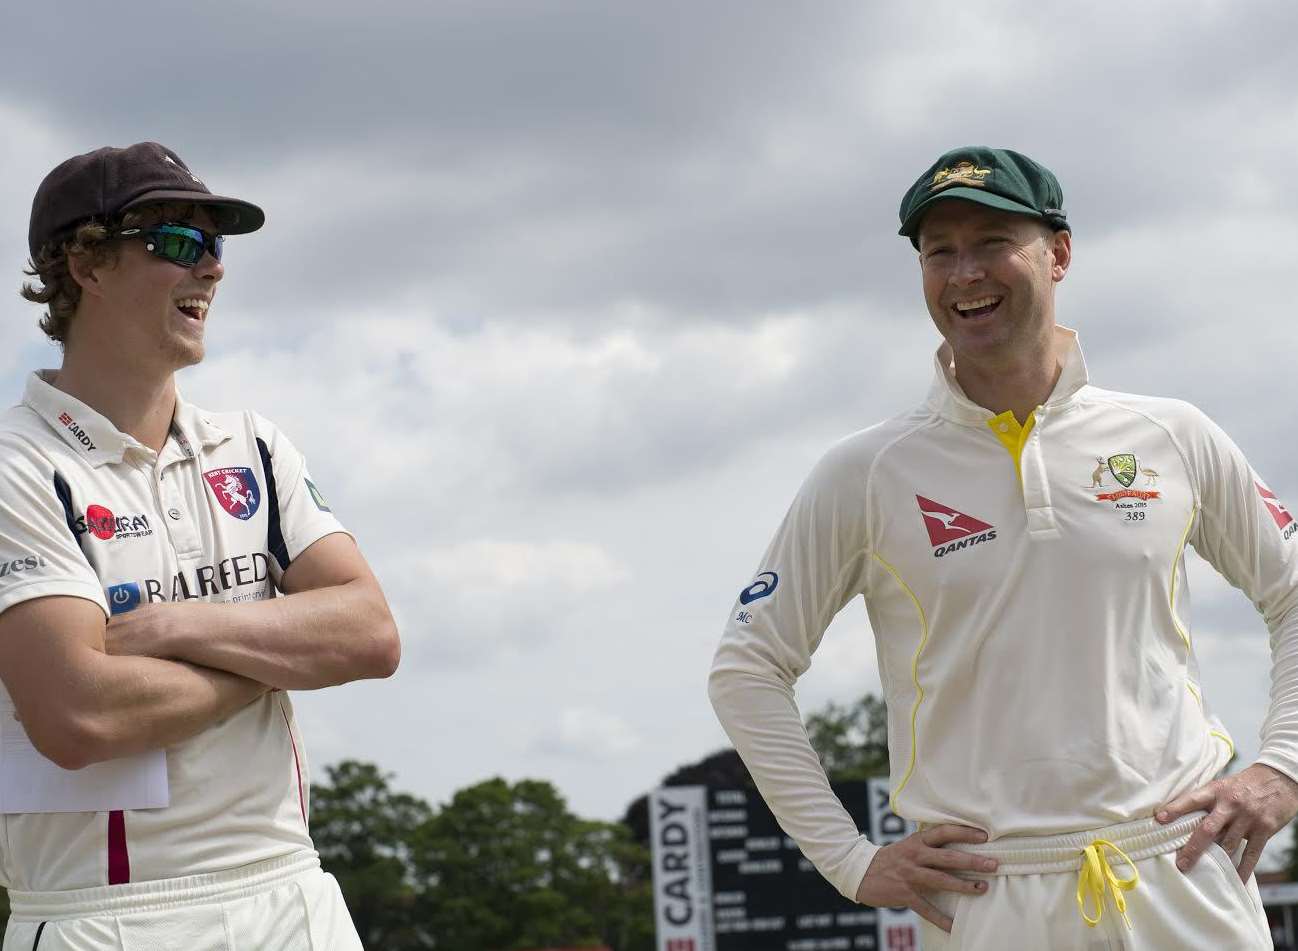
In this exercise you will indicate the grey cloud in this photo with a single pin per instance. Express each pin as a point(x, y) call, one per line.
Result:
point(546, 165)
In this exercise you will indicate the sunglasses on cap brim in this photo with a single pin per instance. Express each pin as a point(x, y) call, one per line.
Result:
point(179, 244)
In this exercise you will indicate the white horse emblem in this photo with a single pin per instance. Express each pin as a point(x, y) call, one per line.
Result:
point(232, 488)
point(235, 490)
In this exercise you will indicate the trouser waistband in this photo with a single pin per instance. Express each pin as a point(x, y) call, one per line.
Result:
point(162, 894)
point(1032, 855)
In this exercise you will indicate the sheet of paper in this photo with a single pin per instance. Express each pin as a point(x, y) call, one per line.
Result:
point(31, 783)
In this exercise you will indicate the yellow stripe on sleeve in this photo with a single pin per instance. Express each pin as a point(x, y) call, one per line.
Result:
point(914, 676)
point(1176, 560)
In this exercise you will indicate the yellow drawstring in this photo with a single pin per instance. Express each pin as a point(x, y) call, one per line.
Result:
point(1095, 875)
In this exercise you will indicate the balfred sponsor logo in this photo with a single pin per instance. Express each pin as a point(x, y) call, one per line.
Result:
point(212, 581)
point(18, 566)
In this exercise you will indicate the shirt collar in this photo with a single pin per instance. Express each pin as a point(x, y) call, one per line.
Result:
point(194, 428)
point(93, 435)
point(86, 431)
point(947, 398)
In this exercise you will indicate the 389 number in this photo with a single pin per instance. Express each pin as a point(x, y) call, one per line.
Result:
point(1135, 516)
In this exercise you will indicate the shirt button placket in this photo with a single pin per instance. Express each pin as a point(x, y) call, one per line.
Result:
point(180, 527)
point(1036, 489)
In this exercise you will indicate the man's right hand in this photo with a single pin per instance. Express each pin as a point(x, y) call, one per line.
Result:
point(902, 872)
point(80, 705)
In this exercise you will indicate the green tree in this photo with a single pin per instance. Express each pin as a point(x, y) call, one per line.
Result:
point(723, 769)
point(851, 739)
point(363, 832)
point(500, 868)
point(508, 867)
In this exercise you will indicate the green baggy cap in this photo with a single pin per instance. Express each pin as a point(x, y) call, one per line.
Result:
point(998, 178)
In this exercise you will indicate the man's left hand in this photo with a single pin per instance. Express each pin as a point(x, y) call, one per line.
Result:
point(1252, 805)
point(143, 632)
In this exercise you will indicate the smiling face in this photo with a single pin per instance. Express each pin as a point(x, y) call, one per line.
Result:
point(989, 279)
point(149, 309)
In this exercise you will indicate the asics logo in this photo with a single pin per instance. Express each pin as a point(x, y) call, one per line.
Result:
point(764, 585)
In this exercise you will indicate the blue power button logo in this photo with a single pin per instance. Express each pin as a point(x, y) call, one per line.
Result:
point(123, 597)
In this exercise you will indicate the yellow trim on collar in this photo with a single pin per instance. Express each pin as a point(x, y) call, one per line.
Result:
point(1013, 436)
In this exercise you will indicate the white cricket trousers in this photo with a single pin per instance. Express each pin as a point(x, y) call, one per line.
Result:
point(284, 904)
point(1031, 902)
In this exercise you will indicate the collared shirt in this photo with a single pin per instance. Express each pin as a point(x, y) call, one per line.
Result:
point(218, 515)
point(1027, 591)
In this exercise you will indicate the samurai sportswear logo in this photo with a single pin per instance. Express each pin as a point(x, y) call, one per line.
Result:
point(235, 487)
point(103, 524)
point(1283, 520)
point(761, 588)
point(950, 529)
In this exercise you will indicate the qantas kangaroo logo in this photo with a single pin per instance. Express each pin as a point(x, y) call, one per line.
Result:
point(1283, 520)
point(950, 529)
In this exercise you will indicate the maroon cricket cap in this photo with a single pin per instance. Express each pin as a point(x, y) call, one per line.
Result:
point(104, 183)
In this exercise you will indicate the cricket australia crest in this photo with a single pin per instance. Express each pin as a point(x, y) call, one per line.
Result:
point(1123, 468)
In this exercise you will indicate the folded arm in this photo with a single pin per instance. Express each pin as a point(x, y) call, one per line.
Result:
point(81, 706)
point(331, 627)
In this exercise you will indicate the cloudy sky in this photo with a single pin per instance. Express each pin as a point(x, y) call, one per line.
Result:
point(563, 299)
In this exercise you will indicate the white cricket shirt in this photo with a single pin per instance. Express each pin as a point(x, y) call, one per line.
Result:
point(218, 515)
point(1027, 592)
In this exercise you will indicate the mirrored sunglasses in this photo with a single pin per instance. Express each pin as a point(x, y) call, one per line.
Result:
point(179, 244)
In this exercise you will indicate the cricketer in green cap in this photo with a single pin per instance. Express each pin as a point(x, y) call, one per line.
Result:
point(998, 178)
point(1022, 587)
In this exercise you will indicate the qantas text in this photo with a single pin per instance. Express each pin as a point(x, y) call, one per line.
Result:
point(964, 543)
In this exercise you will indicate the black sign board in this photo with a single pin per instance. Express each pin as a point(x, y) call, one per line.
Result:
point(764, 895)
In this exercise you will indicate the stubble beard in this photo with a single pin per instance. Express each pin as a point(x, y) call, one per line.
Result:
point(180, 353)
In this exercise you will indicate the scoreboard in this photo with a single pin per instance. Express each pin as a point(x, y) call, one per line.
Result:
point(727, 878)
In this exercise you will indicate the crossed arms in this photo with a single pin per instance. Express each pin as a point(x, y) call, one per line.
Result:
point(88, 691)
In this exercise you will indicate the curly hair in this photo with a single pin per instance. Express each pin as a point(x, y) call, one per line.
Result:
point(58, 289)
